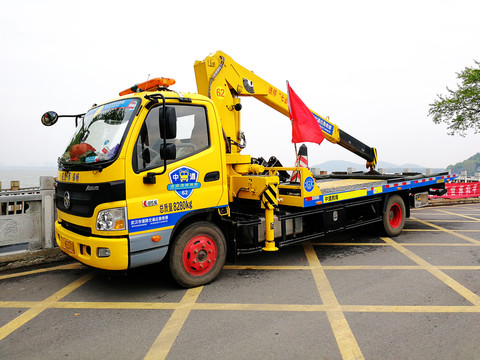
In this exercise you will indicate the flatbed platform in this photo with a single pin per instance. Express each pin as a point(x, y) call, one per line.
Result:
point(329, 186)
point(342, 186)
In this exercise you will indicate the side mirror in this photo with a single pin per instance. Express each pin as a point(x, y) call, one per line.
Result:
point(168, 124)
point(168, 151)
point(49, 118)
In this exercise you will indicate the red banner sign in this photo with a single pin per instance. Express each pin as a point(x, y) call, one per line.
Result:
point(461, 190)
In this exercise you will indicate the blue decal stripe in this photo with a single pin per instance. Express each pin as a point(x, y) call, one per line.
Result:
point(158, 221)
point(324, 124)
point(154, 222)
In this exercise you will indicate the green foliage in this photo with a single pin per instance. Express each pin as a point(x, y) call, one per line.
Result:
point(471, 165)
point(460, 109)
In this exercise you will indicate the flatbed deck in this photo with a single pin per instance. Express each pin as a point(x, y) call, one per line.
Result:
point(329, 186)
point(338, 187)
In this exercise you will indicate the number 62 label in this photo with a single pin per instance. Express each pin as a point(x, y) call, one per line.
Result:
point(220, 92)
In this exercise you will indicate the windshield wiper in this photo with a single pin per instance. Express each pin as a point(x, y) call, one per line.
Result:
point(82, 166)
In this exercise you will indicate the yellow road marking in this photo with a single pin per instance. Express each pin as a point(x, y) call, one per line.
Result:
point(404, 244)
point(38, 271)
point(162, 345)
point(461, 236)
point(462, 290)
point(411, 309)
point(38, 307)
point(346, 341)
point(347, 244)
point(249, 307)
point(451, 221)
point(115, 305)
point(439, 244)
point(264, 267)
point(461, 215)
point(421, 230)
point(397, 267)
point(437, 230)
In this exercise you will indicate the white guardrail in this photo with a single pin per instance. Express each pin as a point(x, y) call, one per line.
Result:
point(27, 218)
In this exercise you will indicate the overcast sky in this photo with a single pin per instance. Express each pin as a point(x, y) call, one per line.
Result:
point(373, 67)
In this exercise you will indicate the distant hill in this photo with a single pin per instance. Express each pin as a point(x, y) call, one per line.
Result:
point(471, 165)
point(341, 165)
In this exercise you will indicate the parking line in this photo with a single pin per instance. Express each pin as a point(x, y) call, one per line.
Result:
point(346, 341)
point(436, 230)
point(42, 305)
point(347, 244)
point(162, 345)
point(461, 215)
point(459, 288)
point(74, 266)
point(265, 267)
point(410, 309)
point(452, 232)
point(452, 221)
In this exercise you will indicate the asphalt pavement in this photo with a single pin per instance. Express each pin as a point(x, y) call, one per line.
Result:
point(350, 296)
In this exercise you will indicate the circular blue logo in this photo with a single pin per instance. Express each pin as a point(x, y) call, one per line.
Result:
point(309, 184)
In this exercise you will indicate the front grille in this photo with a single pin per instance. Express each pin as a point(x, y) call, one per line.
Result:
point(82, 199)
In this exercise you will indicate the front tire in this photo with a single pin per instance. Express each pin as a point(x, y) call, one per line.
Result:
point(394, 216)
point(198, 254)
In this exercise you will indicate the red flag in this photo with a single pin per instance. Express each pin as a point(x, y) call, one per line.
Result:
point(304, 126)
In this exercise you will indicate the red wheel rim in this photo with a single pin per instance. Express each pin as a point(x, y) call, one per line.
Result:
point(395, 216)
point(199, 255)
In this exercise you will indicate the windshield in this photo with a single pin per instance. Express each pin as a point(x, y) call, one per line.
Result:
point(99, 135)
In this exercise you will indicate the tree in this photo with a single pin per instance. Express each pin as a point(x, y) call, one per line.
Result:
point(460, 109)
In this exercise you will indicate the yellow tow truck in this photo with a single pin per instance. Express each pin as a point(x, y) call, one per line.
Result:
point(157, 174)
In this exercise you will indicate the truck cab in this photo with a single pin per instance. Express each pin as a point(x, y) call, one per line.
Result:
point(124, 185)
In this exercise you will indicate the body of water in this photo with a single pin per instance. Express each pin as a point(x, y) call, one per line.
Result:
point(28, 177)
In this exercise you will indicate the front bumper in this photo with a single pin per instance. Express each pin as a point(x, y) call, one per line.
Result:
point(85, 249)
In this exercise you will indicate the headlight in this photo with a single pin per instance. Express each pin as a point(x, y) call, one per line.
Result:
point(111, 219)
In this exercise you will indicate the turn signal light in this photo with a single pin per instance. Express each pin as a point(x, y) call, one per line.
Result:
point(149, 85)
point(119, 224)
point(156, 238)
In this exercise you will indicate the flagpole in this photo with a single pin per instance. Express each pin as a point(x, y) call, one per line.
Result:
point(288, 101)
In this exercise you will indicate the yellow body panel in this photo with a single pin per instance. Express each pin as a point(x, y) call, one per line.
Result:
point(170, 204)
point(344, 196)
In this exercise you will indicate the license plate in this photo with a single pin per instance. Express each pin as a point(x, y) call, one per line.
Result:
point(68, 245)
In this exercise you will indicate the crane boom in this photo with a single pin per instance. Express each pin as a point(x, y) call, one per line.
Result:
point(223, 80)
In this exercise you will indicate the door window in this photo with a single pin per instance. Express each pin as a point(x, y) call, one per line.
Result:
point(192, 137)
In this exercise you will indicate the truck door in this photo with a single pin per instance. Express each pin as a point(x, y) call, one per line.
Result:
point(194, 180)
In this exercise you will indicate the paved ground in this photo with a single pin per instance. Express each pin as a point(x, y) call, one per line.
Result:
point(354, 296)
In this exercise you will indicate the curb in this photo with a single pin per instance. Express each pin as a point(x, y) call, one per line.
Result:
point(447, 202)
point(31, 258)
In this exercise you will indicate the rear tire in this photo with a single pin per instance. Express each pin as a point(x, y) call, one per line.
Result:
point(198, 254)
point(394, 216)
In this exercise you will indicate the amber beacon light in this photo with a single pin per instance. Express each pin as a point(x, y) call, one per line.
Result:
point(149, 85)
